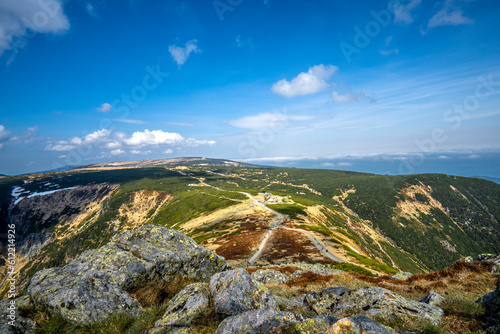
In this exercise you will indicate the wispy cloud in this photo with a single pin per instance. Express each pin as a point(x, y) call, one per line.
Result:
point(20, 16)
point(129, 121)
point(242, 42)
point(389, 52)
point(179, 123)
point(267, 120)
point(4, 136)
point(89, 7)
point(306, 83)
point(449, 15)
point(402, 12)
point(28, 136)
point(105, 107)
point(140, 152)
point(350, 97)
point(181, 54)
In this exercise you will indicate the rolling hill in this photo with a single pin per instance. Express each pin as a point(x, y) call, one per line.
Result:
point(381, 224)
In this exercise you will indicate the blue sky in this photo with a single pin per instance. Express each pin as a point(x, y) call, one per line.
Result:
point(275, 82)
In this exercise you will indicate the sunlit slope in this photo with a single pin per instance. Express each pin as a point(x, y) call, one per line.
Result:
point(382, 223)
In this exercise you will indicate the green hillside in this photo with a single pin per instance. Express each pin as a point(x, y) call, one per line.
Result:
point(426, 222)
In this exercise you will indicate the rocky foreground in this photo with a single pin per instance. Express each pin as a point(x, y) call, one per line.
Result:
point(97, 284)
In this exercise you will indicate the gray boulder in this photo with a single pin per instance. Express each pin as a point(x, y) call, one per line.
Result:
point(189, 305)
point(235, 292)
point(297, 273)
point(317, 268)
point(289, 304)
point(359, 325)
point(433, 298)
point(11, 322)
point(91, 287)
point(322, 302)
point(401, 276)
point(491, 301)
point(373, 302)
point(81, 297)
point(270, 276)
point(265, 321)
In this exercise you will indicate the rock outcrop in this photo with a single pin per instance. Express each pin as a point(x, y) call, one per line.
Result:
point(270, 276)
point(91, 287)
point(402, 275)
point(433, 298)
point(235, 292)
point(189, 305)
point(372, 301)
point(265, 321)
point(11, 322)
point(491, 303)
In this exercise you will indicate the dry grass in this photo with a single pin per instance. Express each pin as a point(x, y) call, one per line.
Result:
point(461, 284)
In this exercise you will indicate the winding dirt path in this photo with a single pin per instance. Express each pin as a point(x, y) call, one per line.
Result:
point(274, 226)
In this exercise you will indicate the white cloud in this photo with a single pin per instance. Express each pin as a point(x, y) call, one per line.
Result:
point(20, 18)
point(62, 156)
point(113, 145)
point(402, 13)
point(181, 55)
point(344, 164)
point(96, 137)
point(105, 107)
point(140, 152)
point(117, 141)
point(448, 16)
point(117, 152)
point(28, 136)
point(4, 135)
point(155, 137)
point(350, 97)
point(311, 82)
point(389, 52)
point(59, 147)
point(169, 151)
point(129, 121)
point(266, 120)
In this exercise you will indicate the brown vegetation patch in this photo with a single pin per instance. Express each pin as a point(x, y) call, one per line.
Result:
point(237, 247)
point(289, 270)
point(285, 246)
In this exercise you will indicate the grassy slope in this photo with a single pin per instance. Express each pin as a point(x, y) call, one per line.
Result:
point(374, 200)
